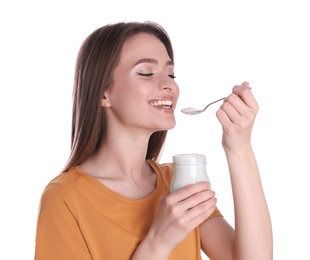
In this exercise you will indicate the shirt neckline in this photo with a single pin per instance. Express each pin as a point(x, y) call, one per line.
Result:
point(120, 197)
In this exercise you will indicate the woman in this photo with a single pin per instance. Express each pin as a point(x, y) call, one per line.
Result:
point(112, 200)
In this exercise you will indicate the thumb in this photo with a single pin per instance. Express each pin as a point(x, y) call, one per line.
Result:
point(163, 197)
point(246, 84)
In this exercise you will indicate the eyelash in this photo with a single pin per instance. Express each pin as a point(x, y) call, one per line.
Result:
point(146, 74)
point(151, 74)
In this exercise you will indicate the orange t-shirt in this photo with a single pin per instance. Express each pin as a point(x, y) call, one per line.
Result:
point(80, 218)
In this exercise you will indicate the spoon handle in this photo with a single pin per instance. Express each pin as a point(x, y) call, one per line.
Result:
point(213, 103)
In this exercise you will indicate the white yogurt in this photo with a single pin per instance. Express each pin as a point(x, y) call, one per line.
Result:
point(190, 111)
point(188, 169)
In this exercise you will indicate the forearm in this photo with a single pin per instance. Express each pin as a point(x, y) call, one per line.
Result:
point(253, 239)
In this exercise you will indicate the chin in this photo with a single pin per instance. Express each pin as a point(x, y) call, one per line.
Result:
point(161, 124)
point(171, 127)
point(167, 126)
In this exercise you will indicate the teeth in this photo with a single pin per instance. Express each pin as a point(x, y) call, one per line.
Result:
point(166, 103)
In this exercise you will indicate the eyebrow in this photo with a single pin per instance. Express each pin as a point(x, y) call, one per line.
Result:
point(152, 61)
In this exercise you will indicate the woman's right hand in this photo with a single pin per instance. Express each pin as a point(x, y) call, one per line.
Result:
point(179, 213)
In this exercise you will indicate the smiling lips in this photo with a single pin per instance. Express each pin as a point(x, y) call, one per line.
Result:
point(163, 103)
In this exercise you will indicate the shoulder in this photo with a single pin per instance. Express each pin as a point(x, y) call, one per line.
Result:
point(58, 191)
point(58, 234)
point(68, 180)
point(165, 170)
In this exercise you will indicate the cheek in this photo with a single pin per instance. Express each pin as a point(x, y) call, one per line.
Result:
point(128, 95)
point(177, 93)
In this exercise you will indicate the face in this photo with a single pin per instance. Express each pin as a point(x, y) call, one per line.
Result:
point(144, 92)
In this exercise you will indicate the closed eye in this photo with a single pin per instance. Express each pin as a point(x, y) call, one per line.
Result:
point(146, 74)
point(152, 74)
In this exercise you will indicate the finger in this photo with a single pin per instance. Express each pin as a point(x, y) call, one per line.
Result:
point(196, 199)
point(201, 212)
point(246, 95)
point(223, 118)
point(163, 197)
point(237, 103)
point(188, 191)
point(231, 112)
point(246, 84)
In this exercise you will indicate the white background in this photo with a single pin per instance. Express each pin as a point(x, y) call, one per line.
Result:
point(217, 44)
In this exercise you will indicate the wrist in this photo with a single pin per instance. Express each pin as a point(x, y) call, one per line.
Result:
point(240, 151)
point(157, 244)
point(151, 248)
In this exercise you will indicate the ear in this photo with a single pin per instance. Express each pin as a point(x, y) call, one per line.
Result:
point(105, 101)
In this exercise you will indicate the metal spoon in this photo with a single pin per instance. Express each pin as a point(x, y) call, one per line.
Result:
point(194, 111)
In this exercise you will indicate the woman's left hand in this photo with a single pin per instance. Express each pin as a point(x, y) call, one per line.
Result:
point(237, 115)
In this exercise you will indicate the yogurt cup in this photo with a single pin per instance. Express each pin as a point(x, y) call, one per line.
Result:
point(188, 169)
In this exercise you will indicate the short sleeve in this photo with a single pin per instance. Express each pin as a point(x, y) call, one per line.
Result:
point(216, 213)
point(58, 235)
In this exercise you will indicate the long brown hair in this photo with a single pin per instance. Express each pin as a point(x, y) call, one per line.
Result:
point(95, 65)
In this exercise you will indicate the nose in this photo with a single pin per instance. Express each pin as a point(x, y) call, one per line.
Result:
point(168, 83)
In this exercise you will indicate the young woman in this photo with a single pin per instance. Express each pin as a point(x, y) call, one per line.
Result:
point(112, 200)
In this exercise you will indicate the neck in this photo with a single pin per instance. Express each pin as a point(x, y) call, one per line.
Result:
point(121, 155)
